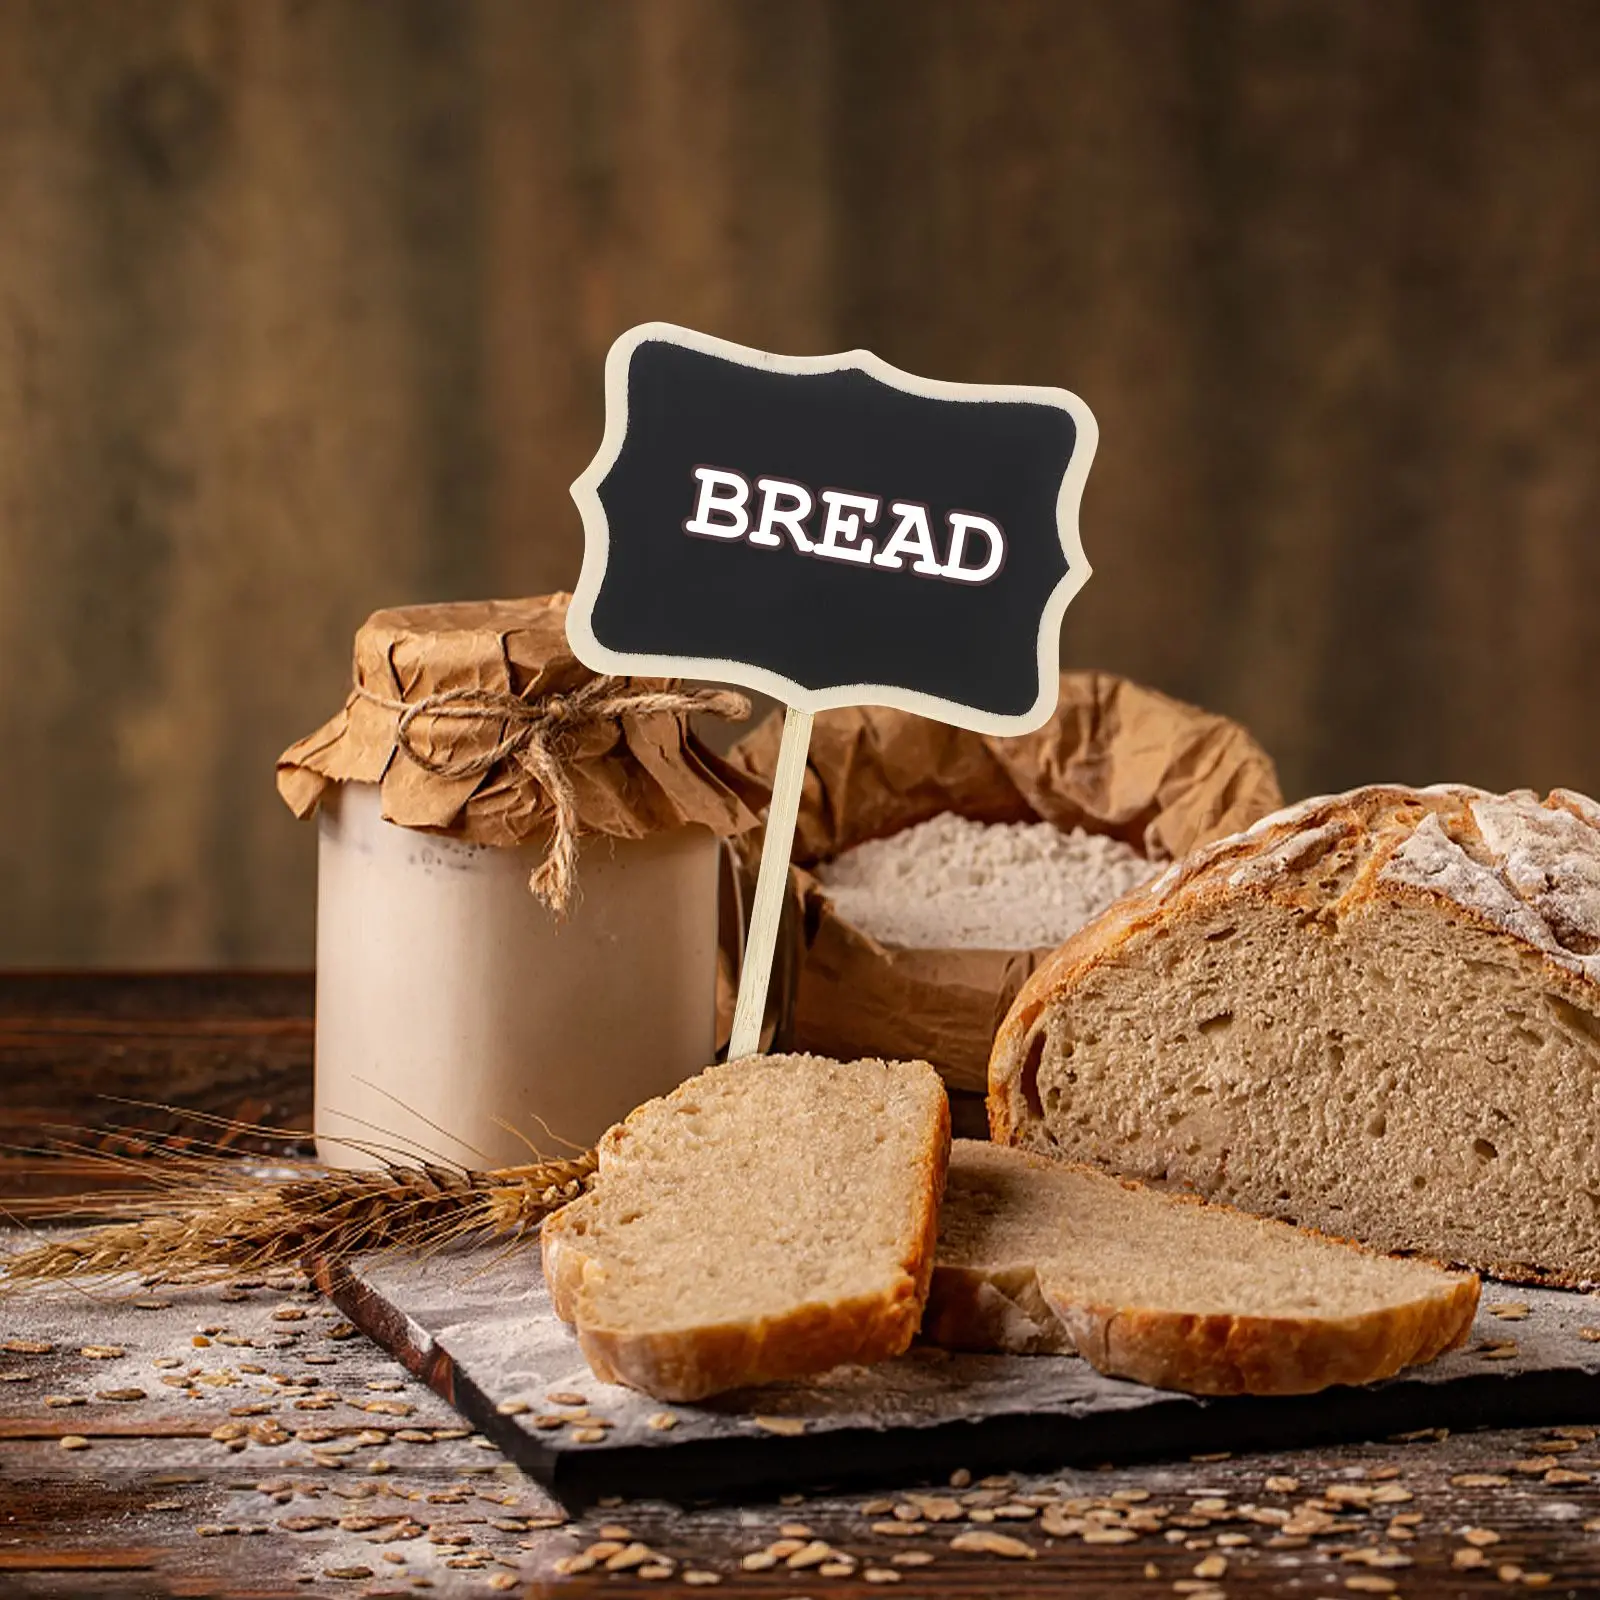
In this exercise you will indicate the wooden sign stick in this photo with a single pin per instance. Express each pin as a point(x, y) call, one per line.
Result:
point(772, 881)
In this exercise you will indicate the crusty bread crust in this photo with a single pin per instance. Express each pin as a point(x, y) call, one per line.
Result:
point(1275, 864)
point(692, 1363)
point(1031, 1310)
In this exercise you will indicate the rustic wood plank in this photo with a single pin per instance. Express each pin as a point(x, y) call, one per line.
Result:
point(114, 1061)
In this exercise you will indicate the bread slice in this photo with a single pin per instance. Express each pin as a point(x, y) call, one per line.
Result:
point(1375, 1014)
point(1037, 1256)
point(769, 1218)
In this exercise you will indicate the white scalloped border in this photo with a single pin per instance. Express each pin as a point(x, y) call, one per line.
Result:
point(597, 536)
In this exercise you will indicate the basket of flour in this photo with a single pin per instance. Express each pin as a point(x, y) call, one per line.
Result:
point(935, 867)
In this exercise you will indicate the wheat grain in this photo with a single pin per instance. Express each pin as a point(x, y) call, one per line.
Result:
point(220, 1222)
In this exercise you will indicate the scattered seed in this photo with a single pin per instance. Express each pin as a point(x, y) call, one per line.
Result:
point(56, 1400)
point(1214, 1455)
point(120, 1394)
point(103, 1352)
point(588, 1435)
point(808, 1555)
point(1499, 1350)
point(960, 1478)
point(1480, 1537)
point(789, 1427)
point(994, 1544)
point(1014, 1511)
point(1479, 1480)
point(347, 1572)
point(43, 1347)
point(1370, 1583)
point(698, 1577)
point(565, 1397)
point(758, 1561)
point(663, 1422)
point(511, 1408)
point(1109, 1535)
point(503, 1580)
point(1508, 1310)
point(1566, 1475)
point(1537, 1580)
point(1591, 1334)
point(74, 1441)
point(881, 1575)
point(794, 1530)
point(899, 1530)
point(1468, 1558)
point(912, 1558)
point(629, 1557)
point(1211, 1567)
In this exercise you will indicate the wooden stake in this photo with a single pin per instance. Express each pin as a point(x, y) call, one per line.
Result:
point(772, 882)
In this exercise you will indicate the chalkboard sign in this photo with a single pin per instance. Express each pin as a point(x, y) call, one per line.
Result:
point(831, 530)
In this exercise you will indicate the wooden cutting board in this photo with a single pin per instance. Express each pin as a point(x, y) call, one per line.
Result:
point(479, 1329)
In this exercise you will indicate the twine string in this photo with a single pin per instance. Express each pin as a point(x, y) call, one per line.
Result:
point(537, 734)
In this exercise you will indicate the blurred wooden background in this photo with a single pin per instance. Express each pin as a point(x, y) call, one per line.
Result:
point(303, 305)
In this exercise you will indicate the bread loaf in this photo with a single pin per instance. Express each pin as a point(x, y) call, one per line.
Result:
point(769, 1218)
point(1376, 1014)
point(1037, 1256)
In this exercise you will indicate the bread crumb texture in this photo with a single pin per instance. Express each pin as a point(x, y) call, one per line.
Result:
point(1376, 1014)
point(1036, 1255)
point(771, 1217)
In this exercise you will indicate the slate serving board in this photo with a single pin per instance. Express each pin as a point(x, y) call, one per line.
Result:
point(479, 1329)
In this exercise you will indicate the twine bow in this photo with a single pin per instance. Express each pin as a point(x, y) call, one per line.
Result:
point(534, 734)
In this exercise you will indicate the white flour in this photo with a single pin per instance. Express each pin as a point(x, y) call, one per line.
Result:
point(953, 884)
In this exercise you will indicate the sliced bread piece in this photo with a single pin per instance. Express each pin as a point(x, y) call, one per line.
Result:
point(1376, 1014)
point(1037, 1256)
point(772, 1217)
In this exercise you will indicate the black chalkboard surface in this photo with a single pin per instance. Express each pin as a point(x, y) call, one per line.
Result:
point(831, 530)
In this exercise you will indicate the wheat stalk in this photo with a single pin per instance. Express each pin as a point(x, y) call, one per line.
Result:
point(216, 1222)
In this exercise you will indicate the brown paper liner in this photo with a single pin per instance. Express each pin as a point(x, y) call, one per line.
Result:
point(631, 775)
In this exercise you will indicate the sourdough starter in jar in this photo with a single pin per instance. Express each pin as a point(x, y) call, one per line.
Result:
point(450, 1001)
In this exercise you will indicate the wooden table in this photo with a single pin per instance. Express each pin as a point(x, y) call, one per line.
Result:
point(257, 1446)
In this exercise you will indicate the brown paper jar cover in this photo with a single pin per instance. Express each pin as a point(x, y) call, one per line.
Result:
point(1116, 758)
point(632, 775)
